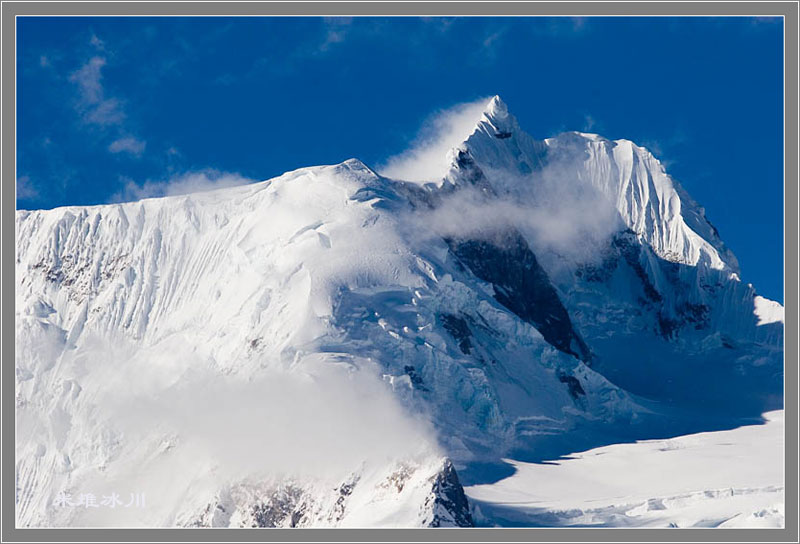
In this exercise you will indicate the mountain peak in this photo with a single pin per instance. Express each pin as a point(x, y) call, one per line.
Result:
point(497, 142)
point(496, 118)
point(496, 108)
point(356, 165)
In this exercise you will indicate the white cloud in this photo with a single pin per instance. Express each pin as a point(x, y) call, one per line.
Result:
point(174, 422)
point(128, 144)
point(560, 27)
point(492, 38)
point(25, 189)
point(97, 43)
point(440, 24)
point(426, 159)
point(664, 149)
point(332, 37)
point(178, 430)
point(97, 108)
point(182, 184)
point(556, 215)
point(321, 423)
point(492, 42)
point(93, 104)
point(105, 112)
point(336, 31)
point(88, 78)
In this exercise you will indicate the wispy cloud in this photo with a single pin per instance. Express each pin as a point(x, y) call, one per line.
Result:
point(128, 144)
point(578, 23)
point(427, 157)
point(492, 38)
point(440, 24)
point(560, 27)
point(180, 184)
point(324, 38)
point(94, 106)
point(332, 37)
point(664, 148)
point(97, 108)
point(97, 43)
point(25, 189)
point(556, 215)
point(88, 80)
point(492, 42)
point(328, 434)
point(307, 427)
point(336, 31)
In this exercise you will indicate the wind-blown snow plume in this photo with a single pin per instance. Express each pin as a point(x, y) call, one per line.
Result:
point(181, 184)
point(426, 159)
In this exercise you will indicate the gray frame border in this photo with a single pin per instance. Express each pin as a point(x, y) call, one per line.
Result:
point(10, 9)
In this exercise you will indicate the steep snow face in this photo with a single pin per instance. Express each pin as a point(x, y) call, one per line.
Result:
point(768, 311)
point(650, 202)
point(150, 268)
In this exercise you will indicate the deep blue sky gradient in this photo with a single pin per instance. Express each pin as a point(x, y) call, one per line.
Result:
point(260, 96)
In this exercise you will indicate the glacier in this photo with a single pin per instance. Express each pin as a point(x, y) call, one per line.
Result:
point(333, 347)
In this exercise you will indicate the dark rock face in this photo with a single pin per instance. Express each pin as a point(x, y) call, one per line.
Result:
point(573, 384)
point(521, 285)
point(688, 313)
point(471, 174)
point(696, 314)
point(451, 506)
point(597, 273)
point(623, 248)
point(458, 329)
point(416, 379)
point(345, 490)
point(284, 506)
point(672, 316)
point(504, 259)
point(625, 243)
point(667, 326)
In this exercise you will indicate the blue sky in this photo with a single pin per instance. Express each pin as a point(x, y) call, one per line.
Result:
point(110, 109)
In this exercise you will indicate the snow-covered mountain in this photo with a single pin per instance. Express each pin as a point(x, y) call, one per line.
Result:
point(334, 348)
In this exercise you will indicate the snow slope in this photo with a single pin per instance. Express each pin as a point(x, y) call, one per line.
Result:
point(314, 349)
point(677, 482)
